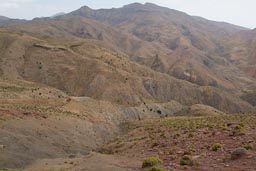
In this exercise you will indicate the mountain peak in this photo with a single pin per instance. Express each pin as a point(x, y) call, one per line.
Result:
point(83, 11)
point(85, 7)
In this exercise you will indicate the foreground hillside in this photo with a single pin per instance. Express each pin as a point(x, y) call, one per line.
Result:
point(41, 122)
point(209, 143)
point(223, 142)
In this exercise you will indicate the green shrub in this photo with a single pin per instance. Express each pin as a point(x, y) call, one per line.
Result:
point(172, 157)
point(151, 161)
point(216, 146)
point(3, 169)
point(159, 112)
point(155, 144)
point(238, 127)
point(238, 130)
point(190, 135)
point(248, 146)
point(155, 168)
point(192, 149)
point(241, 124)
point(186, 160)
point(185, 168)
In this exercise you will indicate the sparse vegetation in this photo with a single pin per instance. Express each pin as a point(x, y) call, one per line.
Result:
point(238, 130)
point(159, 112)
point(155, 168)
point(14, 89)
point(248, 146)
point(210, 122)
point(45, 109)
point(186, 160)
point(151, 161)
point(155, 144)
point(192, 149)
point(3, 169)
point(216, 146)
point(173, 157)
point(167, 133)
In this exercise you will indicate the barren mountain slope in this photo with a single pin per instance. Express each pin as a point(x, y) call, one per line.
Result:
point(241, 52)
point(84, 67)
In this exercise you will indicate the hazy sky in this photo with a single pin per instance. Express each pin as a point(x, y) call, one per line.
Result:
point(240, 12)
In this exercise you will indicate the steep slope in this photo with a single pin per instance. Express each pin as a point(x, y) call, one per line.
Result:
point(241, 52)
point(37, 121)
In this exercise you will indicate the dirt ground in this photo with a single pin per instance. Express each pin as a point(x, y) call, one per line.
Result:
point(91, 162)
point(170, 139)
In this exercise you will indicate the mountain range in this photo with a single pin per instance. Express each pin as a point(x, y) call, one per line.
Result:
point(141, 52)
point(92, 70)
